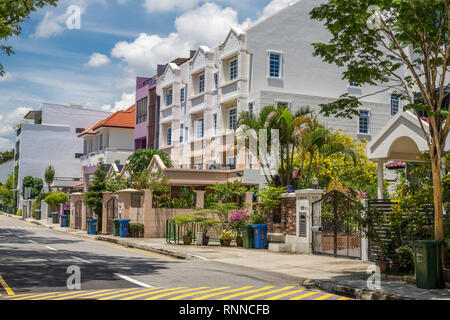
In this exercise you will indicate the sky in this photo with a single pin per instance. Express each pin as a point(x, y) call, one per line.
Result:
point(96, 65)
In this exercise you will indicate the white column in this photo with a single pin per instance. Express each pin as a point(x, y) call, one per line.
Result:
point(380, 176)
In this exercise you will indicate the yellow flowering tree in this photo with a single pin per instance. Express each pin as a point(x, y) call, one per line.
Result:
point(349, 169)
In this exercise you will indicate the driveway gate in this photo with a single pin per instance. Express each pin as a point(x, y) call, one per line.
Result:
point(340, 235)
point(111, 213)
point(78, 218)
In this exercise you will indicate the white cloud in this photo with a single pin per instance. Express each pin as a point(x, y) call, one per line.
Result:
point(276, 5)
point(169, 5)
point(127, 100)
point(97, 60)
point(51, 25)
point(7, 77)
point(9, 120)
point(6, 144)
point(143, 54)
point(208, 24)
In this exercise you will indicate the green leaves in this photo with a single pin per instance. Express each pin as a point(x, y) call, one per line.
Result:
point(35, 184)
point(139, 161)
point(12, 14)
point(54, 199)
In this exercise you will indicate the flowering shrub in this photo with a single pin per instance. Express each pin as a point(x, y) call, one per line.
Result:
point(226, 235)
point(237, 219)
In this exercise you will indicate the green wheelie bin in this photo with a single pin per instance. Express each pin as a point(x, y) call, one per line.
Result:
point(427, 261)
point(116, 227)
point(247, 232)
point(55, 217)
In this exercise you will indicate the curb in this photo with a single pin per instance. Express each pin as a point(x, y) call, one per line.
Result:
point(329, 286)
point(349, 291)
point(146, 248)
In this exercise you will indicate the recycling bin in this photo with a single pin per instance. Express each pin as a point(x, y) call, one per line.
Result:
point(92, 226)
point(37, 214)
point(260, 235)
point(55, 216)
point(116, 225)
point(64, 220)
point(124, 227)
point(247, 233)
point(427, 261)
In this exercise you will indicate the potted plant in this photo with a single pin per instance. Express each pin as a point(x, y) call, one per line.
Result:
point(205, 224)
point(405, 258)
point(226, 237)
point(186, 222)
point(238, 219)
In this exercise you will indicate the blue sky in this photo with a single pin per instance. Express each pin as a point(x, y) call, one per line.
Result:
point(118, 40)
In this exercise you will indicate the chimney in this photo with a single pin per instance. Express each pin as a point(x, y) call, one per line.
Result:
point(160, 69)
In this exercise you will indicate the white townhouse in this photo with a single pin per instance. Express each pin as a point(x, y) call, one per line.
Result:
point(271, 63)
point(51, 139)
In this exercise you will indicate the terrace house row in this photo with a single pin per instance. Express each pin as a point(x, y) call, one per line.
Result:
point(271, 63)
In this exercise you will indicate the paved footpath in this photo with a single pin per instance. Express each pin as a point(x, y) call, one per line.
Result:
point(336, 275)
point(35, 264)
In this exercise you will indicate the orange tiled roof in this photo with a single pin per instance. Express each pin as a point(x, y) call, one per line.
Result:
point(120, 119)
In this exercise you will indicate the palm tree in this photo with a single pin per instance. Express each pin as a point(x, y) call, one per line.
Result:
point(290, 126)
point(49, 176)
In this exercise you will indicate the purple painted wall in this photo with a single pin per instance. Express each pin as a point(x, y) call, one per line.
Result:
point(143, 86)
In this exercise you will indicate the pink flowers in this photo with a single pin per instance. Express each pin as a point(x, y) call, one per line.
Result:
point(238, 218)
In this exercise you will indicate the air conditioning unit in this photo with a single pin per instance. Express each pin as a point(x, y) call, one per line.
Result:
point(198, 166)
point(213, 166)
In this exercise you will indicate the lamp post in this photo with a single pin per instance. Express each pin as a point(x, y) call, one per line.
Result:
point(315, 183)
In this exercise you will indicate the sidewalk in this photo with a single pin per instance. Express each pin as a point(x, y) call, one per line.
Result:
point(336, 275)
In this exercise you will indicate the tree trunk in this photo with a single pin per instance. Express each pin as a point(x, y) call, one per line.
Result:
point(436, 163)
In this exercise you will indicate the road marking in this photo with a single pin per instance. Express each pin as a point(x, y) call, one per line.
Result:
point(267, 293)
point(219, 293)
point(246, 292)
point(193, 294)
point(82, 260)
point(174, 292)
point(7, 288)
point(139, 283)
point(95, 294)
point(53, 249)
point(34, 296)
point(198, 257)
point(57, 295)
point(324, 297)
point(305, 295)
point(153, 292)
point(32, 241)
point(128, 293)
point(285, 294)
point(19, 236)
point(344, 298)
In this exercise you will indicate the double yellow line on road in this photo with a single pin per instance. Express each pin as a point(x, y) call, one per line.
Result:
point(6, 287)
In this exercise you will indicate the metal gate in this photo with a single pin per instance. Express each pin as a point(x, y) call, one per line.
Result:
point(78, 206)
point(111, 213)
point(338, 216)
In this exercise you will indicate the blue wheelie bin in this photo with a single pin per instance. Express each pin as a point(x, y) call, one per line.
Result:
point(260, 235)
point(64, 220)
point(124, 227)
point(92, 226)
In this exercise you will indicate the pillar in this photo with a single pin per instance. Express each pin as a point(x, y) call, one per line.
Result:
point(380, 177)
point(106, 197)
point(200, 199)
point(249, 201)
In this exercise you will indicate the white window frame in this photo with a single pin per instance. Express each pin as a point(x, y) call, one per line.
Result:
point(181, 133)
point(279, 53)
point(252, 112)
point(100, 142)
point(277, 102)
point(186, 133)
point(169, 136)
point(230, 69)
point(183, 94)
point(200, 76)
point(215, 122)
point(368, 124)
point(216, 80)
point(353, 85)
point(202, 126)
point(229, 118)
point(398, 106)
point(167, 94)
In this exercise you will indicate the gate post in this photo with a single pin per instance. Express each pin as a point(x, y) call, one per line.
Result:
point(364, 239)
point(106, 197)
point(302, 241)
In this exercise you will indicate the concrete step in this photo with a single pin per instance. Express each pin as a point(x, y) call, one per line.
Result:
point(278, 247)
point(275, 237)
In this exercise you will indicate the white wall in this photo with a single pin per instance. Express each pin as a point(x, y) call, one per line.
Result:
point(54, 144)
point(5, 170)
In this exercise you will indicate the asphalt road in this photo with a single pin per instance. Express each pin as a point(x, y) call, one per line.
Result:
point(35, 260)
